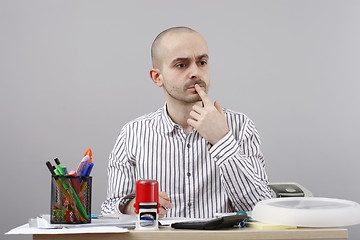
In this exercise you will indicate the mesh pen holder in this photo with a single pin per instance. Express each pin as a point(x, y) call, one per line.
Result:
point(70, 199)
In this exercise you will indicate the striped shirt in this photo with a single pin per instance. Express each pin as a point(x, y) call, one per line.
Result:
point(199, 178)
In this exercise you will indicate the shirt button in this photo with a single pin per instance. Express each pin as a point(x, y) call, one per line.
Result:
point(188, 145)
point(189, 204)
point(217, 157)
point(188, 174)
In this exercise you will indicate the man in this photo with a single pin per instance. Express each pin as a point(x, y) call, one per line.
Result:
point(205, 158)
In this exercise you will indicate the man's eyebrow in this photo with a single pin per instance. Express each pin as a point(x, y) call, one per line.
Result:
point(203, 56)
point(183, 59)
point(180, 59)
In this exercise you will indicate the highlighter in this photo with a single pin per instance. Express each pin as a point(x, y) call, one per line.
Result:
point(89, 153)
point(59, 166)
point(82, 166)
point(76, 186)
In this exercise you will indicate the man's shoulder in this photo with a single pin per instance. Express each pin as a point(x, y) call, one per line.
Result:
point(146, 118)
point(234, 114)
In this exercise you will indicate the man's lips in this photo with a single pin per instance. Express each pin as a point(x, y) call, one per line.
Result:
point(193, 87)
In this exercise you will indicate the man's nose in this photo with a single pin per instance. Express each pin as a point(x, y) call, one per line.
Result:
point(194, 71)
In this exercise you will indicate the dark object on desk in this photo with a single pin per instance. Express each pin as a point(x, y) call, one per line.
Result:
point(217, 223)
point(70, 202)
point(288, 189)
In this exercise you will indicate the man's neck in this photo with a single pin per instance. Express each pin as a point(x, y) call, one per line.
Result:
point(180, 113)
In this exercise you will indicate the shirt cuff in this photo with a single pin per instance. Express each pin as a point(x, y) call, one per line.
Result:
point(224, 149)
point(122, 202)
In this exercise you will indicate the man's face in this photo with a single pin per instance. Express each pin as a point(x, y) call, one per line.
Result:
point(184, 59)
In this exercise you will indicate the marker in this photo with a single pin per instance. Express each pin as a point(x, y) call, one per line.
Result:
point(72, 196)
point(57, 172)
point(82, 166)
point(76, 186)
point(84, 162)
point(88, 169)
point(89, 153)
point(50, 167)
point(59, 166)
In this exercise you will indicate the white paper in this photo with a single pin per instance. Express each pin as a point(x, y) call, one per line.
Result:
point(25, 229)
point(110, 224)
point(105, 224)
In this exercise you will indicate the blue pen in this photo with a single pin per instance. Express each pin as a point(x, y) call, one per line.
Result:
point(87, 170)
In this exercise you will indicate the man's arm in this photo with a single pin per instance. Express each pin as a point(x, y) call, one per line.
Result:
point(241, 162)
point(243, 168)
point(121, 176)
point(122, 182)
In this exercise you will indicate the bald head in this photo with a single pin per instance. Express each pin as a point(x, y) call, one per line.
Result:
point(156, 48)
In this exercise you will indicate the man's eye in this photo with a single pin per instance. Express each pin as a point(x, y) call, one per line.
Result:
point(203, 62)
point(180, 65)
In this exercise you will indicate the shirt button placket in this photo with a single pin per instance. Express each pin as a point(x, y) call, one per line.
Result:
point(189, 180)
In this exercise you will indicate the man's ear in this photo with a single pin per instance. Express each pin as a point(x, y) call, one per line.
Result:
point(156, 77)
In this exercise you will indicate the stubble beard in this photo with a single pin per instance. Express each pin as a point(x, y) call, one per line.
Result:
point(182, 96)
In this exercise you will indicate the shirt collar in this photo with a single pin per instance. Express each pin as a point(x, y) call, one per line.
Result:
point(169, 125)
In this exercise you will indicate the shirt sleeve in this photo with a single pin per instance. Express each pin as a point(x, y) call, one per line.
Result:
point(121, 176)
point(242, 167)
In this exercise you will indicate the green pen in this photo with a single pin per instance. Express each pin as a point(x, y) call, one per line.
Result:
point(77, 200)
point(57, 172)
point(59, 166)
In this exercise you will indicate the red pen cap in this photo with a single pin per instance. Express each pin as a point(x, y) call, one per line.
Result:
point(147, 191)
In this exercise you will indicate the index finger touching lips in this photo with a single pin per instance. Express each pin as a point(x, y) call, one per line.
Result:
point(204, 97)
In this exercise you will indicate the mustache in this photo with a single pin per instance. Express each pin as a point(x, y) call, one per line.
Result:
point(193, 82)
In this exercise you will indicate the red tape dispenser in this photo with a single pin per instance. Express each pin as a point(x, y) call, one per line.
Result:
point(147, 204)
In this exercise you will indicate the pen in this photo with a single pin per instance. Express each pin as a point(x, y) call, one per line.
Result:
point(50, 167)
point(88, 171)
point(62, 180)
point(59, 166)
point(77, 215)
point(82, 166)
point(76, 186)
point(84, 162)
point(89, 153)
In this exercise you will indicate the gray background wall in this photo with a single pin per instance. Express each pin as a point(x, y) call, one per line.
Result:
point(74, 72)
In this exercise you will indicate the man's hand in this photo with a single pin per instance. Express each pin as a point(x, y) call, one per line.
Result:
point(164, 201)
point(128, 208)
point(165, 204)
point(208, 120)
